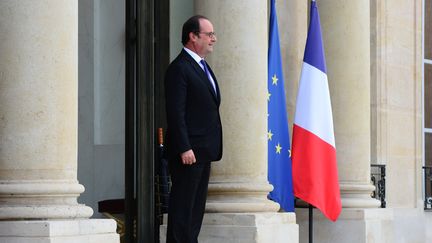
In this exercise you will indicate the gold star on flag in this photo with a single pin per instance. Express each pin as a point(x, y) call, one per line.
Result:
point(278, 148)
point(268, 96)
point(269, 135)
point(275, 79)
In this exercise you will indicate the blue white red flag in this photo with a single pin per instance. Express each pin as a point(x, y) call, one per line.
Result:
point(315, 175)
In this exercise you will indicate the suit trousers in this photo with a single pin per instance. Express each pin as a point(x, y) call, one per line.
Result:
point(187, 201)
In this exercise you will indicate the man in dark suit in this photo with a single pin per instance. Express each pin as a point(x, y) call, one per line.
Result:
point(194, 134)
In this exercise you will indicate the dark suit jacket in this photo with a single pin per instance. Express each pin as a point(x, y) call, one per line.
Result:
point(192, 111)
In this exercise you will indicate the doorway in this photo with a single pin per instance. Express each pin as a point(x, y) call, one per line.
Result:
point(123, 53)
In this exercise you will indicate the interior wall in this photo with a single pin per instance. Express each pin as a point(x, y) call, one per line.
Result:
point(180, 11)
point(101, 94)
point(101, 66)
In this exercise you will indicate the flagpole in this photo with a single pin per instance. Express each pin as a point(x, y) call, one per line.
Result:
point(310, 223)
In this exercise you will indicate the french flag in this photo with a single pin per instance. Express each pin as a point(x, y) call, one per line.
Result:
point(314, 166)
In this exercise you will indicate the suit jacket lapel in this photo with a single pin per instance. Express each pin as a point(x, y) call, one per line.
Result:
point(203, 75)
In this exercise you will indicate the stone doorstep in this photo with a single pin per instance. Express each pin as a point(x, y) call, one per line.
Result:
point(245, 219)
point(349, 214)
point(57, 228)
point(353, 225)
point(248, 219)
point(247, 228)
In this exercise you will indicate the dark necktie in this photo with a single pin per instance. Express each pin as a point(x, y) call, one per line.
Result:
point(208, 74)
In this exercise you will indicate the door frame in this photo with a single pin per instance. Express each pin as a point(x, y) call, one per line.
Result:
point(147, 56)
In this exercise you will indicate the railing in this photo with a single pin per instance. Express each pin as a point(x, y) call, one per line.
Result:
point(427, 174)
point(378, 174)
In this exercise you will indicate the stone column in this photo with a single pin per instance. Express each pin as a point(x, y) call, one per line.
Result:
point(38, 107)
point(239, 183)
point(346, 38)
point(237, 207)
point(293, 26)
point(38, 124)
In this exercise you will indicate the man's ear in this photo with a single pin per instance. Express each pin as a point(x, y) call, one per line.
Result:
point(192, 36)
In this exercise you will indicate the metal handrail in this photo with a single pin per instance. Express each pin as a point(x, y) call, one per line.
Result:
point(427, 173)
point(378, 178)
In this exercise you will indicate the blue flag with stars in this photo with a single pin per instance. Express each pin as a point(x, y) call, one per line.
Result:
point(279, 149)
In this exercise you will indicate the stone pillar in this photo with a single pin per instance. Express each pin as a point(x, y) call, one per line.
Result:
point(237, 208)
point(239, 183)
point(346, 37)
point(38, 125)
point(293, 26)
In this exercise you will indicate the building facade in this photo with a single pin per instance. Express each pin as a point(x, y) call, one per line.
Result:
point(62, 109)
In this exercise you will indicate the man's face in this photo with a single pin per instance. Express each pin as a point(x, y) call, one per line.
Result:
point(204, 40)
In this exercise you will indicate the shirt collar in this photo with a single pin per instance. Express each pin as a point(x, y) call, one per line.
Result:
point(193, 55)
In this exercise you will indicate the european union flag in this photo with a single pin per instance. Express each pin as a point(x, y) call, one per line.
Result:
point(279, 149)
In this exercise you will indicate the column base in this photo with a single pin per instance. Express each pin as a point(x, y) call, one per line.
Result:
point(246, 228)
point(240, 197)
point(59, 231)
point(358, 196)
point(42, 199)
point(353, 225)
